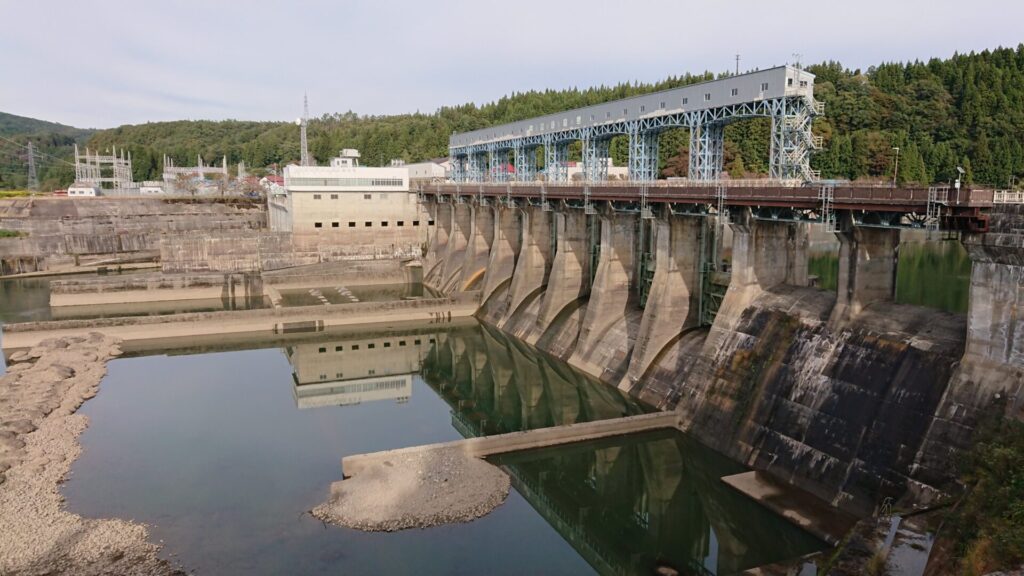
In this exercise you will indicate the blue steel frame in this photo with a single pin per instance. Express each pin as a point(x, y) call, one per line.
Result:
point(792, 143)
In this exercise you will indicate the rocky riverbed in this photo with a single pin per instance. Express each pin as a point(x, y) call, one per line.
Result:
point(416, 489)
point(39, 430)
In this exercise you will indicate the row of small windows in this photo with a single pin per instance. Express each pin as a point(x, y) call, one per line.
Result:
point(371, 345)
point(383, 196)
point(366, 224)
point(345, 182)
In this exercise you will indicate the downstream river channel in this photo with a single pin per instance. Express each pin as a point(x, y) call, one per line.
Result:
point(222, 452)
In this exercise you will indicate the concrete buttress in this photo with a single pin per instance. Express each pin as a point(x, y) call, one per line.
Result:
point(570, 270)
point(612, 291)
point(439, 244)
point(461, 227)
point(672, 304)
point(501, 261)
point(867, 270)
point(764, 254)
point(530, 274)
point(474, 263)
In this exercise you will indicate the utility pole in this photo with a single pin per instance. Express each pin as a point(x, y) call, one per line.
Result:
point(737, 64)
point(896, 169)
point(33, 179)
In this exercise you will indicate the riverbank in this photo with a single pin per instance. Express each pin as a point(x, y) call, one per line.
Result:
point(39, 429)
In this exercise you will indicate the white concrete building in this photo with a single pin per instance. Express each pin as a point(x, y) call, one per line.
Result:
point(435, 170)
point(369, 210)
point(151, 188)
point(79, 190)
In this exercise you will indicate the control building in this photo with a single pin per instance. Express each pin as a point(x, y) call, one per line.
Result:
point(368, 210)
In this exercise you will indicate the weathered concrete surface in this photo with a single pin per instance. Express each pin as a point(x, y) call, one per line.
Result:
point(673, 300)
point(485, 446)
point(42, 390)
point(59, 230)
point(501, 263)
point(235, 290)
point(532, 266)
point(154, 331)
point(795, 505)
point(839, 413)
point(764, 254)
point(348, 273)
point(478, 248)
point(458, 243)
point(569, 279)
point(438, 249)
point(867, 269)
point(611, 297)
point(989, 382)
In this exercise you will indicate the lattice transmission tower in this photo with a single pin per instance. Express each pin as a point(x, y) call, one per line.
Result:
point(33, 178)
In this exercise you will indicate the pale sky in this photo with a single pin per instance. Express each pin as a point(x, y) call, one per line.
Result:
point(100, 63)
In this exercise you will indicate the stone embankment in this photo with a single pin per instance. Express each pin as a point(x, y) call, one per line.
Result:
point(39, 430)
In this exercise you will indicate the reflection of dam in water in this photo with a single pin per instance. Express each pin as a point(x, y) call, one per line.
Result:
point(356, 369)
point(627, 504)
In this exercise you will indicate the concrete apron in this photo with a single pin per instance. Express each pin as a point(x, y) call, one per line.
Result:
point(157, 332)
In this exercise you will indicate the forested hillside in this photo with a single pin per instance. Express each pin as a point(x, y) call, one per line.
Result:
point(967, 110)
point(52, 142)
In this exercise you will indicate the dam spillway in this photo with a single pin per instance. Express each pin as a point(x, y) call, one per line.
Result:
point(846, 394)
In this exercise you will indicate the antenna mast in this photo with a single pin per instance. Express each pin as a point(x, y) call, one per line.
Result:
point(305, 161)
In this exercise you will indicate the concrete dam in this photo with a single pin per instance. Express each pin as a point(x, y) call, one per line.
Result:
point(846, 394)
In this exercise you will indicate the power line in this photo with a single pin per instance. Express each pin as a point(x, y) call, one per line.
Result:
point(33, 179)
point(29, 148)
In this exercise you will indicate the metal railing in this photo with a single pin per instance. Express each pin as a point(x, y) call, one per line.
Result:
point(1007, 197)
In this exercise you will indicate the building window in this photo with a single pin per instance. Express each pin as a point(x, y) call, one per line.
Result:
point(318, 225)
point(685, 101)
point(591, 117)
point(625, 111)
point(384, 223)
point(334, 196)
point(355, 346)
point(351, 224)
point(662, 106)
point(803, 83)
point(608, 114)
point(316, 196)
point(401, 342)
point(335, 224)
point(789, 81)
point(764, 86)
point(367, 196)
point(735, 92)
point(322, 350)
point(565, 122)
point(371, 346)
point(400, 223)
point(339, 348)
point(368, 224)
point(387, 344)
point(416, 342)
point(707, 96)
point(643, 108)
point(578, 120)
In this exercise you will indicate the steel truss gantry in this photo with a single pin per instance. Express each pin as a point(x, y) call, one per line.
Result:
point(792, 142)
point(595, 158)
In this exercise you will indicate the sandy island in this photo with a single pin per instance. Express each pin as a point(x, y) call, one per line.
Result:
point(416, 490)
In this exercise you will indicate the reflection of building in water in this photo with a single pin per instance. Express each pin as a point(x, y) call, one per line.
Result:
point(357, 369)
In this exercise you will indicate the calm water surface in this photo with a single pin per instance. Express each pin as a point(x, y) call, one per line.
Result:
point(222, 453)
